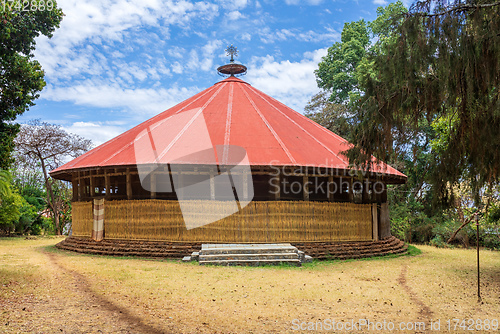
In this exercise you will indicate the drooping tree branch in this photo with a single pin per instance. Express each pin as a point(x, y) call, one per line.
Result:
point(460, 8)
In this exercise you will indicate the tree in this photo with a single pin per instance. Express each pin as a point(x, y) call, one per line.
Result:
point(411, 204)
point(31, 186)
point(443, 67)
point(10, 211)
point(336, 71)
point(333, 116)
point(5, 180)
point(47, 146)
point(21, 77)
point(342, 72)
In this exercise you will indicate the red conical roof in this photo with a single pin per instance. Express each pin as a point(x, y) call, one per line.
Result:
point(235, 113)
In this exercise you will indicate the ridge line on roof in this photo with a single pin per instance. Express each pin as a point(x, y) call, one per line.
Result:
point(139, 136)
point(300, 127)
point(112, 140)
point(309, 120)
point(199, 97)
point(278, 139)
point(179, 135)
point(227, 134)
point(151, 120)
point(383, 165)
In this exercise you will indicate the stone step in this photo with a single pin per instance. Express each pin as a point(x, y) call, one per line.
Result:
point(345, 248)
point(248, 256)
point(256, 262)
point(214, 249)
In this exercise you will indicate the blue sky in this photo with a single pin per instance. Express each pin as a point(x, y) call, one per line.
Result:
point(115, 63)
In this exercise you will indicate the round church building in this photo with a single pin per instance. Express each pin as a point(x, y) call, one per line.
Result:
point(228, 165)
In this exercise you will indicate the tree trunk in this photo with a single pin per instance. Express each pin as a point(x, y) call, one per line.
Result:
point(50, 194)
point(56, 223)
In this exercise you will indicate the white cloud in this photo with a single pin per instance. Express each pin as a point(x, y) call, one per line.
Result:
point(212, 46)
point(177, 68)
point(98, 132)
point(293, 83)
point(207, 62)
point(176, 52)
point(327, 35)
point(298, 2)
point(96, 21)
point(234, 15)
point(380, 2)
point(246, 36)
point(137, 102)
point(233, 4)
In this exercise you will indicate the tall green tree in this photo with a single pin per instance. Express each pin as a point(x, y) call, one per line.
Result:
point(21, 76)
point(443, 66)
point(338, 74)
point(336, 71)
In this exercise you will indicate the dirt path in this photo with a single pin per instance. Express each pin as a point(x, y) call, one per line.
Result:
point(122, 315)
point(425, 311)
point(63, 301)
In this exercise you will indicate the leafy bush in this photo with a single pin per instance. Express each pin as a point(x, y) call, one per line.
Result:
point(438, 241)
point(10, 213)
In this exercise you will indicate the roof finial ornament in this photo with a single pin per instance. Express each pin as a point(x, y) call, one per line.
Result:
point(232, 51)
point(232, 69)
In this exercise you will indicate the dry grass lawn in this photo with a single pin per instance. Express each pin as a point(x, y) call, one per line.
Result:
point(45, 290)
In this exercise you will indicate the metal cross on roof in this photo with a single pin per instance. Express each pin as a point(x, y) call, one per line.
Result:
point(232, 51)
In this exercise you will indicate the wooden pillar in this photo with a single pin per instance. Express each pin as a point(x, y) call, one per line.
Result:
point(277, 194)
point(383, 196)
point(378, 192)
point(180, 191)
point(244, 175)
point(152, 176)
point(92, 188)
point(74, 186)
point(385, 223)
point(79, 187)
point(305, 187)
point(212, 186)
point(351, 192)
point(129, 184)
point(366, 194)
point(374, 222)
point(330, 188)
point(107, 184)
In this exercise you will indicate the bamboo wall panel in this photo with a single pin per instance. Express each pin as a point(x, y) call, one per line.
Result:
point(83, 218)
point(277, 221)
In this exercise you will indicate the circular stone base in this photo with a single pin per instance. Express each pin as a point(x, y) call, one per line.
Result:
point(317, 250)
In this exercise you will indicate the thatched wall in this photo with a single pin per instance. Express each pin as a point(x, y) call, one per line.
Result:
point(274, 221)
point(83, 217)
